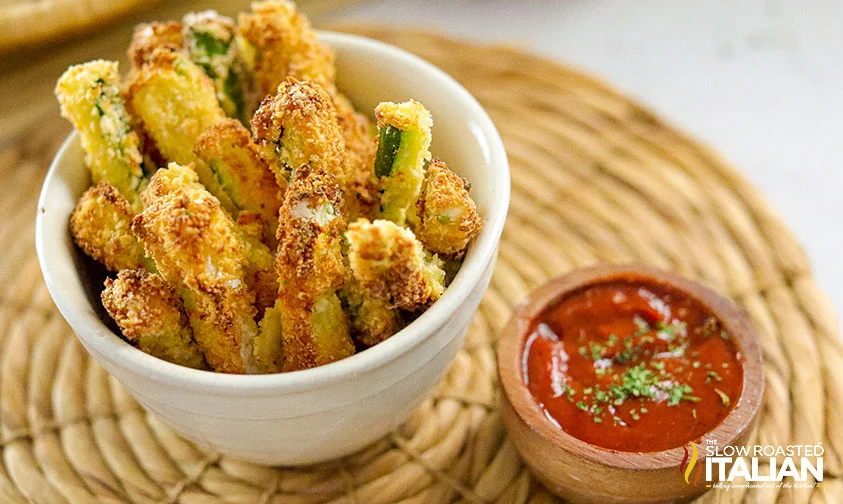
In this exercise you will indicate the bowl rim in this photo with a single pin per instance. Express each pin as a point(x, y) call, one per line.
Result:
point(510, 366)
point(481, 255)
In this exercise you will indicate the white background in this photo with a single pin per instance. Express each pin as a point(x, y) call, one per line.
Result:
point(760, 81)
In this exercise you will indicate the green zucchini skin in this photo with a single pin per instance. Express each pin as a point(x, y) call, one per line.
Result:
point(403, 150)
point(389, 139)
point(210, 42)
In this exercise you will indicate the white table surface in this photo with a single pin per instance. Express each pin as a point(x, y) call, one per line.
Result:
point(760, 81)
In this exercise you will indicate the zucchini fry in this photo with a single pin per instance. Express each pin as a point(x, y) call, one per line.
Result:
point(209, 39)
point(90, 98)
point(261, 277)
point(310, 269)
point(148, 37)
point(283, 45)
point(228, 149)
point(101, 226)
point(448, 218)
point(175, 102)
point(403, 147)
point(392, 265)
point(298, 126)
point(151, 316)
point(372, 319)
point(360, 146)
point(197, 251)
point(279, 43)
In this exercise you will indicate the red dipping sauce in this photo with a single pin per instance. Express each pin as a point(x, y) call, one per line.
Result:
point(633, 366)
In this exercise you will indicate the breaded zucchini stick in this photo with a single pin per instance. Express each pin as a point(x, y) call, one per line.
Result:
point(391, 263)
point(448, 218)
point(281, 45)
point(298, 126)
point(403, 147)
point(90, 98)
point(148, 37)
point(360, 145)
point(310, 270)
point(196, 250)
point(261, 277)
point(101, 226)
point(175, 102)
point(278, 43)
point(151, 316)
point(229, 151)
point(372, 319)
point(209, 39)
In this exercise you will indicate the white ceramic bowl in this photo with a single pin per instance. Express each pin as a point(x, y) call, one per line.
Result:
point(329, 411)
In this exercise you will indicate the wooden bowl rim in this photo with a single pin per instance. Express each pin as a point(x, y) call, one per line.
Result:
point(510, 365)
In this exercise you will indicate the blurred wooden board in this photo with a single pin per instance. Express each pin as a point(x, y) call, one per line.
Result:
point(27, 23)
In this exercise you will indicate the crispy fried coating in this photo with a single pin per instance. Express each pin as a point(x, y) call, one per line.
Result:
point(101, 226)
point(400, 167)
point(448, 218)
point(229, 151)
point(151, 316)
point(359, 136)
point(90, 98)
point(148, 37)
point(310, 270)
point(391, 263)
point(283, 45)
point(279, 43)
point(372, 319)
point(210, 41)
point(197, 251)
point(298, 125)
point(174, 102)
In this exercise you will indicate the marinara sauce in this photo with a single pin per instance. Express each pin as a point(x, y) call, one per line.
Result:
point(632, 365)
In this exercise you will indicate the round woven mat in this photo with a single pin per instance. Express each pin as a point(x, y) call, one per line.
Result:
point(26, 23)
point(595, 178)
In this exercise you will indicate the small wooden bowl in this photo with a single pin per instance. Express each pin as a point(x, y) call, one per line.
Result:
point(582, 472)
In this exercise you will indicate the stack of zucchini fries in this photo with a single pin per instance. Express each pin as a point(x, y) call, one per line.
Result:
point(252, 220)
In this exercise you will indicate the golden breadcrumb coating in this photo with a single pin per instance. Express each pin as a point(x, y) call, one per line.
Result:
point(401, 177)
point(390, 263)
point(101, 226)
point(283, 45)
point(148, 37)
point(448, 218)
point(310, 271)
point(90, 98)
point(229, 151)
point(279, 43)
point(361, 145)
point(197, 251)
point(151, 316)
point(174, 102)
point(372, 319)
point(260, 274)
point(299, 126)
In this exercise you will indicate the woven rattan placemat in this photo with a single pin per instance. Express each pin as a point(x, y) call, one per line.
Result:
point(595, 178)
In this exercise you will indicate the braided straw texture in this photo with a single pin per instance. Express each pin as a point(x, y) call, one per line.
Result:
point(595, 178)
